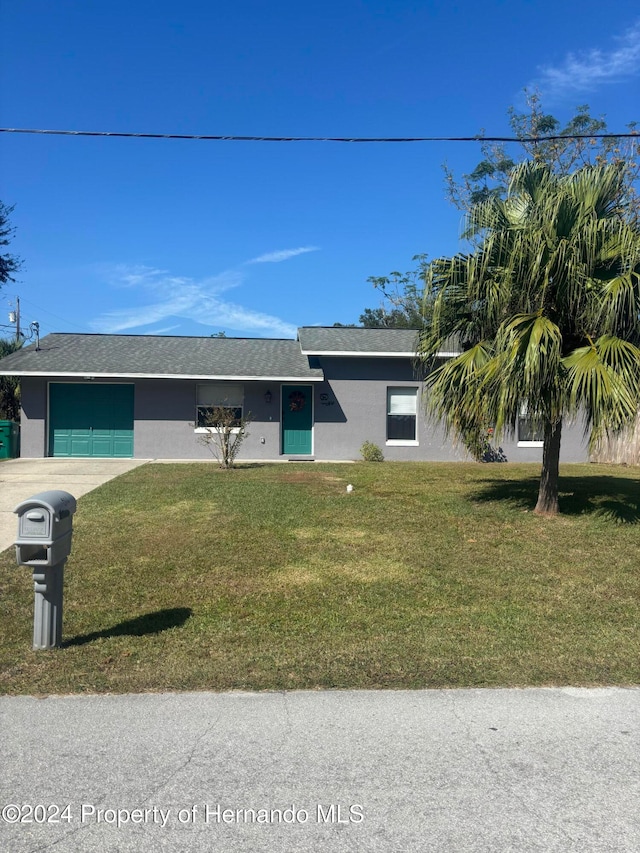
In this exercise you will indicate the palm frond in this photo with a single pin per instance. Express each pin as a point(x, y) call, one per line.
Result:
point(619, 304)
point(603, 380)
point(598, 190)
point(453, 389)
point(534, 344)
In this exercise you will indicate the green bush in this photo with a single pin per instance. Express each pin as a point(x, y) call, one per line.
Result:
point(371, 452)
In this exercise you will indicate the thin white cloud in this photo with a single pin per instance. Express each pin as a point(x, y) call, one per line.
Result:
point(583, 72)
point(157, 280)
point(282, 255)
point(186, 298)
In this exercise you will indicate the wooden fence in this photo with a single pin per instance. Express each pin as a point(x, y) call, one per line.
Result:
point(623, 449)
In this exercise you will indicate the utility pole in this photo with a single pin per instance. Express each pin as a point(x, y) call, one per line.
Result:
point(14, 317)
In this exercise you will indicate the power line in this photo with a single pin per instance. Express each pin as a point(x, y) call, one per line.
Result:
point(51, 314)
point(393, 139)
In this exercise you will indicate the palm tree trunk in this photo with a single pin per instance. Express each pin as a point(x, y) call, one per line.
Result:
point(548, 492)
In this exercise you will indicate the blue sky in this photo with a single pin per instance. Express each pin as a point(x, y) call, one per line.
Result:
point(192, 238)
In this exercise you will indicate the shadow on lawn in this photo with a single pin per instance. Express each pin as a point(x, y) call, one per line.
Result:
point(615, 498)
point(150, 623)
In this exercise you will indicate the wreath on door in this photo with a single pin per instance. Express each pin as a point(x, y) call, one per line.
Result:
point(296, 401)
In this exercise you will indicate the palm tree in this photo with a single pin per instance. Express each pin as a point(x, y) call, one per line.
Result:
point(546, 308)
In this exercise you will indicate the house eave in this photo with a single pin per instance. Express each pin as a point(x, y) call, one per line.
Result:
point(355, 354)
point(89, 374)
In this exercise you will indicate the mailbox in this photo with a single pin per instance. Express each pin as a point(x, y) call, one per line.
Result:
point(45, 528)
point(44, 543)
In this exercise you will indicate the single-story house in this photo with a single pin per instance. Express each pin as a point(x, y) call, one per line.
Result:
point(315, 398)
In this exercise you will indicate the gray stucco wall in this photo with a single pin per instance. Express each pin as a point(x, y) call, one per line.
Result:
point(165, 414)
point(350, 407)
point(573, 447)
point(356, 392)
point(355, 411)
point(164, 419)
point(33, 399)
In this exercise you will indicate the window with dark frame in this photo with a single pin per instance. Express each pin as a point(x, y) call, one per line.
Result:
point(401, 414)
point(528, 430)
point(218, 396)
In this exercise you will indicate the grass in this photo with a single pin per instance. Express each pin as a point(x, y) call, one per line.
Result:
point(185, 577)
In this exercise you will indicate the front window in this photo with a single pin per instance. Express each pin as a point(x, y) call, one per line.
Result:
point(214, 396)
point(530, 434)
point(402, 407)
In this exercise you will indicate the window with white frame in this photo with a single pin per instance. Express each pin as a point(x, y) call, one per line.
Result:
point(402, 408)
point(530, 434)
point(216, 396)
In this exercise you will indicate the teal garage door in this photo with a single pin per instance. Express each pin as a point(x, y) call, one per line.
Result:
point(90, 420)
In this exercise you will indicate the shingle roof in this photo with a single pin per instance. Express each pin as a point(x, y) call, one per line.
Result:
point(160, 356)
point(348, 340)
point(357, 341)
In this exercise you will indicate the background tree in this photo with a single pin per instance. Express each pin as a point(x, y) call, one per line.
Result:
point(402, 293)
point(9, 264)
point(547, 311)
point(9, 386)
point(490, 177)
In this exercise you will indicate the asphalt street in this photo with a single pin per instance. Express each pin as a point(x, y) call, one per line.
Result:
point(554, 769)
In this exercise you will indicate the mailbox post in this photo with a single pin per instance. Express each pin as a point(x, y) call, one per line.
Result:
point(44, 543)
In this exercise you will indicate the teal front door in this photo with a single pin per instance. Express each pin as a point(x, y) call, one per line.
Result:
point(297, 419)
point(90, 420)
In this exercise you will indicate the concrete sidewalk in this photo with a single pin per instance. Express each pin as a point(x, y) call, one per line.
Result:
point(552, 770)
point(21, 478)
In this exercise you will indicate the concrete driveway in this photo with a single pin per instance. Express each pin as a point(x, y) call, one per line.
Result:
point(21, 478)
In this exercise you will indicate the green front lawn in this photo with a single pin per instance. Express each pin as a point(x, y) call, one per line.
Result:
point(185, 577)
